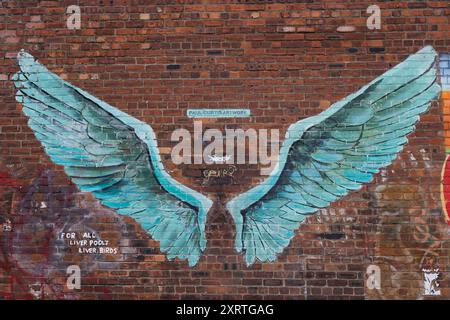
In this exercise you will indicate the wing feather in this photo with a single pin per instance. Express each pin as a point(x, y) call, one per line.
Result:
point(114, 156)
point(326, 156)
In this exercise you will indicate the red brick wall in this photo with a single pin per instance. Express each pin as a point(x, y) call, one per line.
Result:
point(284, 60)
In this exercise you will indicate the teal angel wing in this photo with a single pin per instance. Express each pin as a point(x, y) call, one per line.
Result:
point(114, 156)
point(326, 156)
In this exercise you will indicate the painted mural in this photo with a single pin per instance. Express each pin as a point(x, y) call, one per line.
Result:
point(444, 65)
point(326, 156)
point(115, 157)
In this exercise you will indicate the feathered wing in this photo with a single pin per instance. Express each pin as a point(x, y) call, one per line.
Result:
point(326, 156)
point(114, 156)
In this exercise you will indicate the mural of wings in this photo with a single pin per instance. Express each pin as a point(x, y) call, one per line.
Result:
point(114, 156)
point(326, 156)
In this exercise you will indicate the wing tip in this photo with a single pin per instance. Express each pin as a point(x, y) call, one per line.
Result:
point(193, 260)
point(25, 60)
point(22, 54)
point(428, 49)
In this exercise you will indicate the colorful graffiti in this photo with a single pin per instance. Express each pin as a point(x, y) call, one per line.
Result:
point(444, 66)
point(115, 157)
point(44, 211)
point(420, 246)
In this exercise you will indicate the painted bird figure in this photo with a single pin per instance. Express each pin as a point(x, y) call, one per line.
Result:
point(115, 157)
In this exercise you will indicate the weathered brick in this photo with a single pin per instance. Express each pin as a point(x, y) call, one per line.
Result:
point(284, 61)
